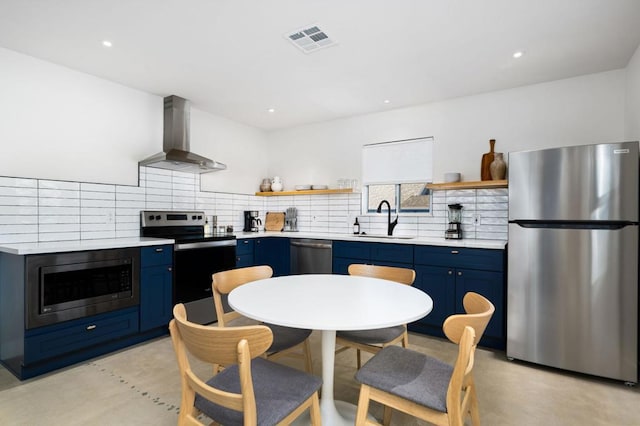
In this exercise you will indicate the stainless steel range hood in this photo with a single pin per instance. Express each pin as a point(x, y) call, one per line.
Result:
point(175, 142)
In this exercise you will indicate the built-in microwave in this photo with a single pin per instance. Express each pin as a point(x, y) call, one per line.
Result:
point(65, 286)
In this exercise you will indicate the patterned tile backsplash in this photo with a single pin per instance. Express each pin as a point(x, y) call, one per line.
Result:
point(35, 210)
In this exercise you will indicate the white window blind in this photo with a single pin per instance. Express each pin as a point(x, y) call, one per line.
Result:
point(406, 161)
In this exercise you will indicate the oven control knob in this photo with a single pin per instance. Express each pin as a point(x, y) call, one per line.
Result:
point(193, 217)
point(157, 217)
point(151, 217)
point(199, 217)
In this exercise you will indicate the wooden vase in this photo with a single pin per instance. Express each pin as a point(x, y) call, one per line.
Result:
point(485, 172)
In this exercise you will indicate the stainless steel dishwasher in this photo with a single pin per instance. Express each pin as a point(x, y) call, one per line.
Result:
point(309, 256)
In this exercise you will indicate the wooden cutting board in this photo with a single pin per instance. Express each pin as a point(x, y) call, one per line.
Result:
point(485, 172)
point(274, 221)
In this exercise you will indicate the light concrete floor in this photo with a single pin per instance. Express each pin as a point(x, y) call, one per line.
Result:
point(140, 386)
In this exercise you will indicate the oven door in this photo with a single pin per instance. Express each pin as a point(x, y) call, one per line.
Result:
point(194, 264)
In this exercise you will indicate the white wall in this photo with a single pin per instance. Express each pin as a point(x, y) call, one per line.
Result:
point(632, 108)
point(581, 110)
point(61, 124)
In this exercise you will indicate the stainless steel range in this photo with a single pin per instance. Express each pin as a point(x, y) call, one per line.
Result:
point(196, 257)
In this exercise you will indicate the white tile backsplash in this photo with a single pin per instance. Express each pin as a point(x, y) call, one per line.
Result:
point(44, 210)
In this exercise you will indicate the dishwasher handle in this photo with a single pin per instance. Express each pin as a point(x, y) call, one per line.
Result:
point(311, 245)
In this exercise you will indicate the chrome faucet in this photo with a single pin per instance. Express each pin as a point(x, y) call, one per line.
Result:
point(390, 225)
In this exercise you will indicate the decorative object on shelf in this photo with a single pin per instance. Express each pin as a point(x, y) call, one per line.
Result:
point(451, 177)
point(265, 186)
point(487, 159)
point(276, 184)
point(302, 187)
point(498, 167)
point(317, 187)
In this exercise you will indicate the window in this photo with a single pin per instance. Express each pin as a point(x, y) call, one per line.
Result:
point(399, 173)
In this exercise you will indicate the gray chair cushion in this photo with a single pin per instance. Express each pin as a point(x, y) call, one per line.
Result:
point(286, 337)
point(371, 337)
point(278, 389)
point(410, 375)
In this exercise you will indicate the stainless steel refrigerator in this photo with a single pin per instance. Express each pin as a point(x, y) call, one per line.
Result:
point(572, 299)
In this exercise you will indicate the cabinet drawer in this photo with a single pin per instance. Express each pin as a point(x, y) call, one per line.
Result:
point(244, 247)
point(49, 342)
point(472, 258)
point(353, 250)
point(392, 253)
point(156, 255)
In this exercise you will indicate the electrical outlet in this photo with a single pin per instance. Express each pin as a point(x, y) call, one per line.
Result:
point(476, 219)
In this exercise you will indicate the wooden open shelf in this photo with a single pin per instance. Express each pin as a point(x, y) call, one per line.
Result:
point(479, 184)
point(306, 192)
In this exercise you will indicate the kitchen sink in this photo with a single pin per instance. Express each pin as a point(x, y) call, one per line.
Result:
point(390, 237)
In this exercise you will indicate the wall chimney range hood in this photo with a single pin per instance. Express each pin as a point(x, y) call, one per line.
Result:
point(175, 142)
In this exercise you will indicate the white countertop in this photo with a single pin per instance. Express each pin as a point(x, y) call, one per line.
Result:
point(109, 243)
point(468, 243)
point(80, 245)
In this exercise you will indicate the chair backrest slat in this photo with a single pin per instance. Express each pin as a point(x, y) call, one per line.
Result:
point(456, 401)
point(392, 273)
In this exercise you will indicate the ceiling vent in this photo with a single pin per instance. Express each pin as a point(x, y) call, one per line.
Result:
point(310, 39)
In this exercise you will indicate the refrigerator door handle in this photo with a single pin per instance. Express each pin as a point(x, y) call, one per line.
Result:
point(607, 225)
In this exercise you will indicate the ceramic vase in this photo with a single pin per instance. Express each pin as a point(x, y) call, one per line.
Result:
point(498, 167)
point(265, 186)
point(276, 184)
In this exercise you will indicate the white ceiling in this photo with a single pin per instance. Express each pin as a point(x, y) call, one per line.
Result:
point(231, 57)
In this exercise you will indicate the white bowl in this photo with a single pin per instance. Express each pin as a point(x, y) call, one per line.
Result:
point(451, 177)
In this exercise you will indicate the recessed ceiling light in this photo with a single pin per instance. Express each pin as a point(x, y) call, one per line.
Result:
point(518, 54)
point(271, 110)
point(107, 43)
point(386, 101)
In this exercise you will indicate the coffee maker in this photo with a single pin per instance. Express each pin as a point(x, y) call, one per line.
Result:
point(251, 221)
point(454, 232)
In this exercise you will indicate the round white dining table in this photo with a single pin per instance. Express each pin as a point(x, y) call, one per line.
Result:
point(329, 303)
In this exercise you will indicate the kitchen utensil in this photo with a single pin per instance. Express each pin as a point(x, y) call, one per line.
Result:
point(319, 187)
point(302, 187)
point(274, 221)
point(487, 159)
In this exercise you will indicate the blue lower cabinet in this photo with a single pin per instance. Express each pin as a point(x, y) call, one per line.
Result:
point(447, 274)
point(83, 334)
point(440, 284)
point(244, 253)
point(156, 287)
point(156, 297)
point(274, 252)
point(385, 254)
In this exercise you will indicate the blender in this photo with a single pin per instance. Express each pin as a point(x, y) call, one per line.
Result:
point(454, 232)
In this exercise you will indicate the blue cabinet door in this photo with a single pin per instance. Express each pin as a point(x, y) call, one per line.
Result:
point(244, 253)
point(274, 252)
point(440, 284)
point(156, 287)
point(156, 297)
point(488, 284)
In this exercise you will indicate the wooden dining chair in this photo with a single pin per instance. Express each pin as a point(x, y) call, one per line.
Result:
point(423, 386)
point(287, 341)
point(250, 390)
point(373, 340)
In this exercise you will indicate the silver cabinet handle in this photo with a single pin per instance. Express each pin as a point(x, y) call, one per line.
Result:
point(459, 273)
point(159, 250)
point(450, 272)
point(454, 252)
point(91, 327)
point(169, 269)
